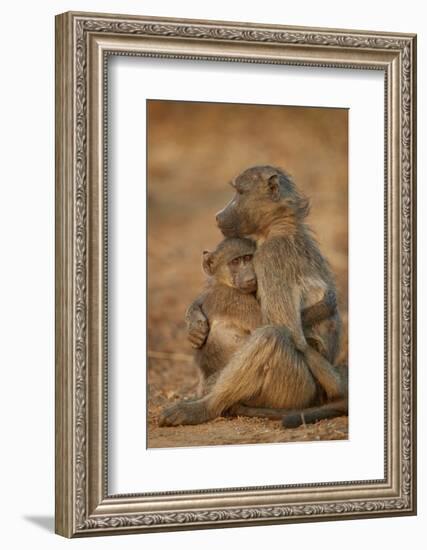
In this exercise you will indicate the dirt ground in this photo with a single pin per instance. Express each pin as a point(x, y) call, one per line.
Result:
point(194, 149)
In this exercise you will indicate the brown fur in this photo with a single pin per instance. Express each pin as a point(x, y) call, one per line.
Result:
point(231, 309)
point(282, 365)
point(229, 304)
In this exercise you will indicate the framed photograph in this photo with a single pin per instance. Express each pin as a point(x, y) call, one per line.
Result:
point(235, 274)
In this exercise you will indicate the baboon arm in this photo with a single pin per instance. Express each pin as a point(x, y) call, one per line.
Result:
point(285, 310)
point(295, 326)
point(320, 311)
point(196, 322)
point(279, 293)
point(327, 375)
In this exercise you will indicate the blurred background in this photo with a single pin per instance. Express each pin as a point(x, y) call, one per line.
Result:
point(194, 149)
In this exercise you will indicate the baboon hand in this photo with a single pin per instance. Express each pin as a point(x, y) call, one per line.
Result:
point(193, 412)
point(198, 330)
point(301, 344)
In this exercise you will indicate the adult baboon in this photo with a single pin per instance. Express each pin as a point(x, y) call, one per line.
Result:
point(280, 365)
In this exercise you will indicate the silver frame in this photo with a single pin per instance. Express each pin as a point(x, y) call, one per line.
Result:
point(83, 43)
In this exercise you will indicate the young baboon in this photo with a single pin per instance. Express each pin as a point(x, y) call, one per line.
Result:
point(281, 365)
point(229, 303)
point(231, 308)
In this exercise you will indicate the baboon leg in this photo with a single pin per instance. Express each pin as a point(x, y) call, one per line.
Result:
point(293, 419)
point(186, 412)
point(267, 370)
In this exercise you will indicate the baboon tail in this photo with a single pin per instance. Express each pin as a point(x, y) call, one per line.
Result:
point(293, 419)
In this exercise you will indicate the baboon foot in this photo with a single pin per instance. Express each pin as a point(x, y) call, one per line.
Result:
point(192, 412)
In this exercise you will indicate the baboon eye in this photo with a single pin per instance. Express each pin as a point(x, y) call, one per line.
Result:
point(235, 261)
point(248, 257)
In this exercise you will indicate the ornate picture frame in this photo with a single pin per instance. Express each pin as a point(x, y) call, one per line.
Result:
point(84, 42)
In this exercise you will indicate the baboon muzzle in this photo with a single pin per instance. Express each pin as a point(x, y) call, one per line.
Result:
point(227, 222)
point(249, 286)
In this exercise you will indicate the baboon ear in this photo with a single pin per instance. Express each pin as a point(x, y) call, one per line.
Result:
point(207, 262)
point(274, 187)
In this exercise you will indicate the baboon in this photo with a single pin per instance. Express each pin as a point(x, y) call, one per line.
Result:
point(229, 303)
point(231, 308)
point(281, 365)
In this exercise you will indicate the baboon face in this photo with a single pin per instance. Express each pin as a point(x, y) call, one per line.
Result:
point(241, 274)
point(231, 264)
point(262, 194)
